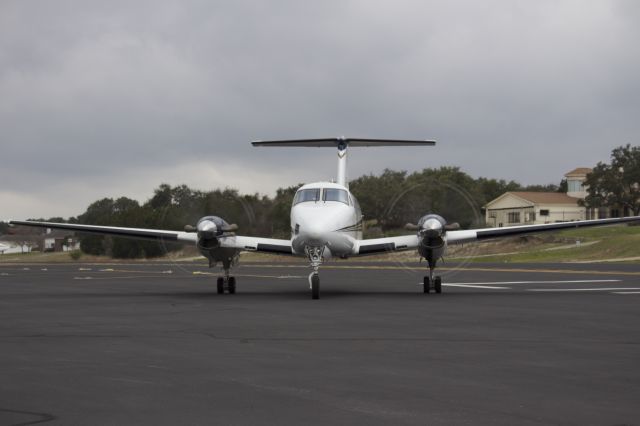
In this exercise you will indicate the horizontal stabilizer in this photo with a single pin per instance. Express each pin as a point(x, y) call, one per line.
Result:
point(335, 142)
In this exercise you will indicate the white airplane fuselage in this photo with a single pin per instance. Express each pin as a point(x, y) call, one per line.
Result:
point(325, 214)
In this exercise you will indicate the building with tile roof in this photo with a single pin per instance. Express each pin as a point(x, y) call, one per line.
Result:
point(532, 208)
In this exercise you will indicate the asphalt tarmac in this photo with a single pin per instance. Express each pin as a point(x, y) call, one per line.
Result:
point(154, 344)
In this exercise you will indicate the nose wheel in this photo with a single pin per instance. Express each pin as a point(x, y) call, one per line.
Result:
point(314, 282)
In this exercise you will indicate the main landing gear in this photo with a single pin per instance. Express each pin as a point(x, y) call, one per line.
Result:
point(431, 283)
point(226, 283)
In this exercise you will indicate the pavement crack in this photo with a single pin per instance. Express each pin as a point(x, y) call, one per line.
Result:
point(43, 417)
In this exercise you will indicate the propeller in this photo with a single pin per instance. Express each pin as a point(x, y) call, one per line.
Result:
point(431, 230)
point(432, 226)
point(208, 228)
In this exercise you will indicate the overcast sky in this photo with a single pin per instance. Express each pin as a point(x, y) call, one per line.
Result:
point(108, 98)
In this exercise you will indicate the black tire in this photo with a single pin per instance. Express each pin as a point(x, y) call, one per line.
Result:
point(426, 285)
point(315, 287)
point(232, 285)
point(220, 285)
point(437, 284)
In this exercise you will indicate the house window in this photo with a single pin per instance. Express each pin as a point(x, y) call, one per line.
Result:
point(514, 217)
point(493, 214)
point(544, 212)
point(574, 186)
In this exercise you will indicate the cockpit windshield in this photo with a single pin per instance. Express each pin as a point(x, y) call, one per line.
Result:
point(307, 195)
point(332, 194)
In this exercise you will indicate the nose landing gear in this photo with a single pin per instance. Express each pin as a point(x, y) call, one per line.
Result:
point(315, 259)
point(314, 285)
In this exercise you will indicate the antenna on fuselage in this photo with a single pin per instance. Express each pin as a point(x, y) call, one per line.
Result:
point(342, 143)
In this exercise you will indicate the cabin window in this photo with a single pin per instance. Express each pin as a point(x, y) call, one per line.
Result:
point(544, 212)
point(331, 194)
point(307, 195)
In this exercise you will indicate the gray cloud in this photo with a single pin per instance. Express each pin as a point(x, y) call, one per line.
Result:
point(101, 99)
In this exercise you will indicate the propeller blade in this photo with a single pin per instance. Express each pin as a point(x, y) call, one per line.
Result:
point(190, 228)
point(452, 226)
point(230, 228)
point(411, 227)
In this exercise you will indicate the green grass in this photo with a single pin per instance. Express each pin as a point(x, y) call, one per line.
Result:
point(613, 242)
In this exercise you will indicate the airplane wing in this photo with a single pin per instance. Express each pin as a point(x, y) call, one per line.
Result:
point(265, 245)
point(457, 237)
point(382, 245)
point(411, 242)
point(116, 231)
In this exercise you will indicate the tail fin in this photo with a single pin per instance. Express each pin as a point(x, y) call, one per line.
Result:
point(341, 143)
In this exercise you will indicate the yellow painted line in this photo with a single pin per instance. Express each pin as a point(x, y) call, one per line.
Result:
point(250, 276)
point(472, 269)
point(116, 277)
point(134, 271)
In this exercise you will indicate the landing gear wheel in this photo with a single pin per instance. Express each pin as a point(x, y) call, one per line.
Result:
point(232, 285)
point(220, 285)
point(437, 284)
point(315, 287)
point(426, 285)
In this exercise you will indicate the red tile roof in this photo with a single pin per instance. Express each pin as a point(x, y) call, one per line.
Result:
point(580, 171)
point(546, 197)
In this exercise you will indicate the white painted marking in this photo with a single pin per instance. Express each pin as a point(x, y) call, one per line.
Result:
point(82, 278)
point(470, 285)
point(476, 286)
point(541, 282)
point(169, 271)
point(107, 270)
point(626, 292)
point(584, 289)
point(84, 269)
point(4, 274)
point(44, 269)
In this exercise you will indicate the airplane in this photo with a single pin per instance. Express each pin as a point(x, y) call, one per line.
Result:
point(326, 222)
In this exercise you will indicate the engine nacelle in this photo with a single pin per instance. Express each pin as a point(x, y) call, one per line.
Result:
point(432, 230)
point(209, 230)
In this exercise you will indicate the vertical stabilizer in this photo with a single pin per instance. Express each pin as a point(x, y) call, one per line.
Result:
point(342, 165)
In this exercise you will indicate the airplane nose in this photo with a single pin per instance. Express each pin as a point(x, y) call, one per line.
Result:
point(313, 230)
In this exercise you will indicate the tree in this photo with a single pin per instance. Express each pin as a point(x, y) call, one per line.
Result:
point(278, 215)
point(616, 184)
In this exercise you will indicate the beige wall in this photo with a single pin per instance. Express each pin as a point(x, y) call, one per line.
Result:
point(530, 215)
point(560, 213)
